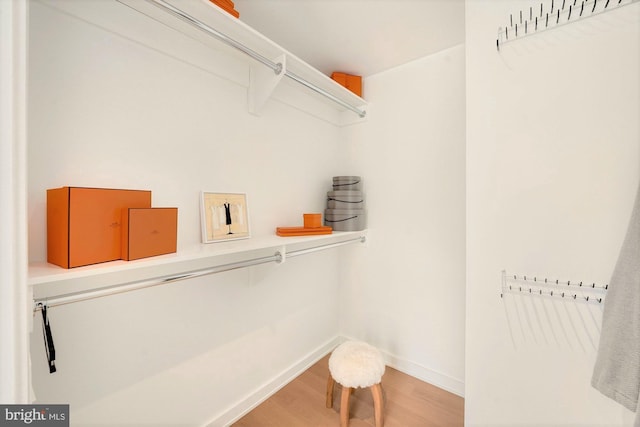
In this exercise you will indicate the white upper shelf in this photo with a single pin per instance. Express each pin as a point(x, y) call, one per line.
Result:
point(209, 24)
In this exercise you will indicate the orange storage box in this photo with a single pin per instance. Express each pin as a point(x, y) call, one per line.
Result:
point(84, 224)
point(148, 232)
point(312, 220)
point(226, 5)
point(303, 231)
point(351, 82)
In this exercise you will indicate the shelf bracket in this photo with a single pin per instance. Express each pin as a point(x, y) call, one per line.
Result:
point(262, 82)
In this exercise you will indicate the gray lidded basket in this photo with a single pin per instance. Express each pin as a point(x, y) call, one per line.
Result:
point(345, 199)
point(346, 219)
point(347, 183)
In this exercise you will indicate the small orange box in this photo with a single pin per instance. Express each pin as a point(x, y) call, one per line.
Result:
point(148, 232)
point(227, 3)
point(227, 6)
point(312, 220)
point(83, 224)
point(351, 82)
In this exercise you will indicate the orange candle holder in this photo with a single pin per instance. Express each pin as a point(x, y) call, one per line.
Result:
point(312, 220)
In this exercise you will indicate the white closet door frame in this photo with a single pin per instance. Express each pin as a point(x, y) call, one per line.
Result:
point(14, 293)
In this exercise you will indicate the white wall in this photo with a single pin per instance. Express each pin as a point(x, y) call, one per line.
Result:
point(552, 168)
point(406, 291)
point(117, 101)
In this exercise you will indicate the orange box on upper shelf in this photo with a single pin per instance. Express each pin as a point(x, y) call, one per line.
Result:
point(351, 82)
point(227, 6)
point(84, 224)
point(148, 232)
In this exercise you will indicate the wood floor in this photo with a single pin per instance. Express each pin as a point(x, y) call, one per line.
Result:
point(408, 403)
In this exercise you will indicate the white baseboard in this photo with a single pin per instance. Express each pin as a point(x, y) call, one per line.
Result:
point(420, 372)
point(261, 394)
point(427, 375)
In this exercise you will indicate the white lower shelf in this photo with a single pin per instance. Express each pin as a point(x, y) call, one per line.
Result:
point(50, 281)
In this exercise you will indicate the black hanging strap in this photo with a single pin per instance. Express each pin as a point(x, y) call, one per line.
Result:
point(48, 339)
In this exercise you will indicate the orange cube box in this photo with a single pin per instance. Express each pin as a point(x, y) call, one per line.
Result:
point(148, 232)
point(312, 220)
point(84, 224)
point(227, 6)
point(351, 82)
point(340, 78)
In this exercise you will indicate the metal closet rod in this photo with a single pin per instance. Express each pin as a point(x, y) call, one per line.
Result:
point(278, 257)
point(275, 66)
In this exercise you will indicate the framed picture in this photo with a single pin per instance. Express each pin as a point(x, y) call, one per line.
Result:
point(224, 217)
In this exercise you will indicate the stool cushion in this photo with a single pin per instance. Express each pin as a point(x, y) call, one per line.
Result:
point(356, 364)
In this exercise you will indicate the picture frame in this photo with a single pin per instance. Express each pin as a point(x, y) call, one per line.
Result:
point(225, 216)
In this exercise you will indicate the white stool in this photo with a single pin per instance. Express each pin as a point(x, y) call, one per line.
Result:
point(356, 364)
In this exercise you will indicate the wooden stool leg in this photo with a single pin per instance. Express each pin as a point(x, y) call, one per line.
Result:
point(344, 406)
point(330, 384)
point(378, 404)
